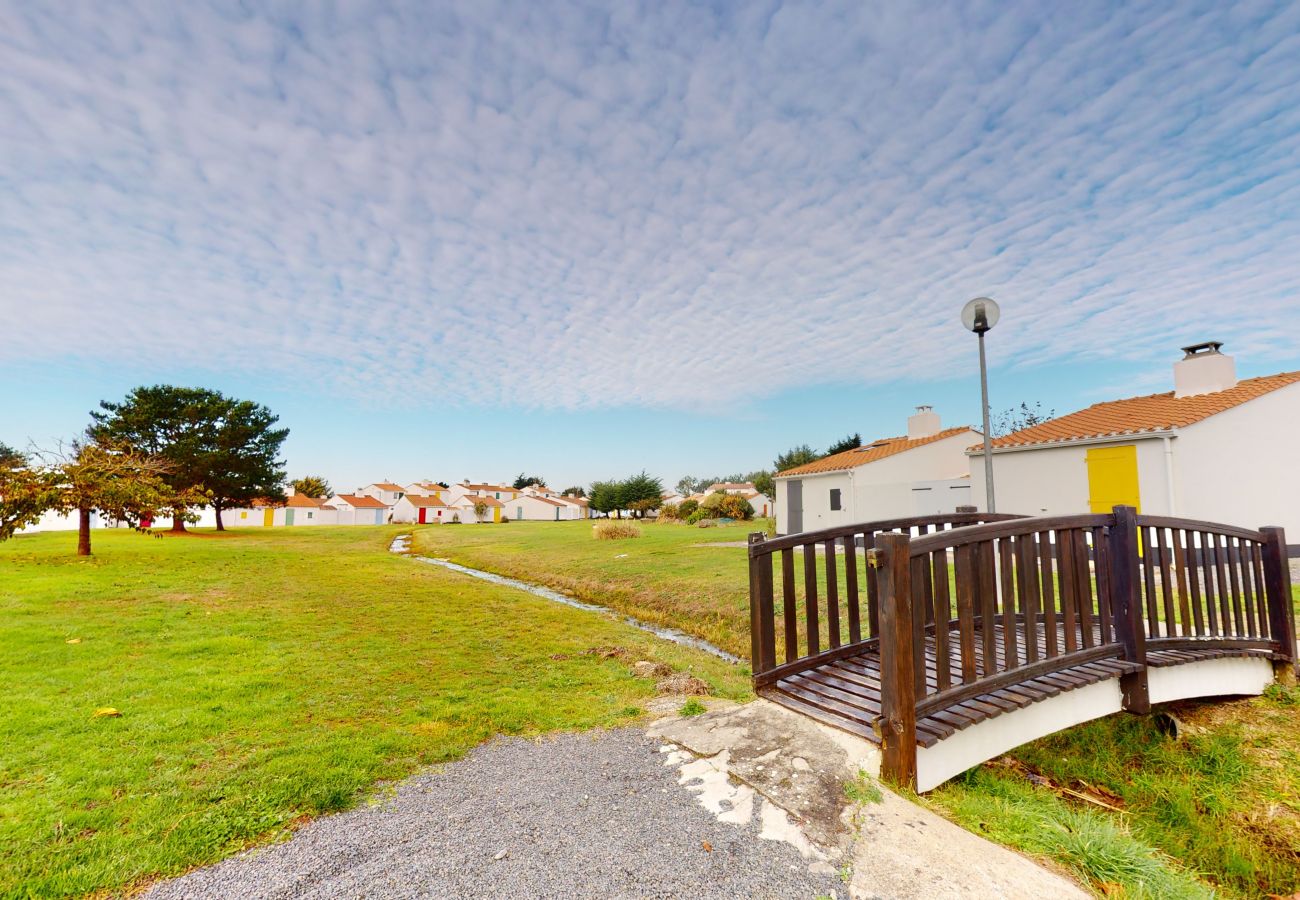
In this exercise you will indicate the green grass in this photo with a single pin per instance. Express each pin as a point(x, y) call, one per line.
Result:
point(664, 576)
point(1200, 814)
point(1223, 799)
point(263, 677)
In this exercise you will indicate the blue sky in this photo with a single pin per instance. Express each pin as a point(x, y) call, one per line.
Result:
point(466, 240)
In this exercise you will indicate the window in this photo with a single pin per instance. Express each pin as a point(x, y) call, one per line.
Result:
point(835, 499)
point(243, 515)
point(309, 515)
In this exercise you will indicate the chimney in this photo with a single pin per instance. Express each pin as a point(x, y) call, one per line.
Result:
point(1204, 370)
point(290, 490)
point(923, 423)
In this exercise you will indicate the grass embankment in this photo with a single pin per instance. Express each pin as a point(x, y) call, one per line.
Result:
point(663, 576)
point(261, 677)
point(1215, 810)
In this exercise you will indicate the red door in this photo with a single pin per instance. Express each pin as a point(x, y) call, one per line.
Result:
point(422, 511)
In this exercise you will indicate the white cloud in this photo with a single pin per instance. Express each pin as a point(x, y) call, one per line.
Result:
point(560, 206)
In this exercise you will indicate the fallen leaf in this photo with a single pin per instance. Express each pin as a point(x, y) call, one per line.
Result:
point(708, 848)
point(73, 641)
point(107, 712)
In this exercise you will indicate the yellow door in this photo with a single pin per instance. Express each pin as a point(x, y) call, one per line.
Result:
point(268, 518)
point(1113, 478)
point(496, 514)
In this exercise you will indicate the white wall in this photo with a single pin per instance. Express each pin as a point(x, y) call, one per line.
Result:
point(1237, 467)
point(1241, 467)
point(877, 490)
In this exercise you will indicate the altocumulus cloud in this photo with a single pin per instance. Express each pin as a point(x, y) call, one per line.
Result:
point(574, 206)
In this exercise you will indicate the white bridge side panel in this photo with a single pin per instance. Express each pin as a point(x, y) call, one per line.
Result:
point(1227, 676)
point(993, 737)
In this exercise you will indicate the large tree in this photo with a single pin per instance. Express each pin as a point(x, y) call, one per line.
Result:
point(118, 482)
point(641, 493)
point(851, 442)
point(1018, 417)
point(26, 491)
point(313, 486)
point(605, 497)
point(795, 456)
point(524, 481)
point(211, 442)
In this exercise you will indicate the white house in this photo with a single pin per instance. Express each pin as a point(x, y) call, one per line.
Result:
point(384, 491)
point(352, 509)
point(421, 509)
point(495, 491)
point(300, 509)
point(535, 507)
point(462, 508)
point(428, 489)
point(1214, 448)
point(582, 509)
point(925, 472)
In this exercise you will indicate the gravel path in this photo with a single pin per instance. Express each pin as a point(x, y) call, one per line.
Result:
point(595, 815)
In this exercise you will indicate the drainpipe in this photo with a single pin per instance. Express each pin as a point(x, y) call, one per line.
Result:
point(1169, 475)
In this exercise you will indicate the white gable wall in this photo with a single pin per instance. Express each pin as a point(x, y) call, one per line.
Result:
point(1240, 466)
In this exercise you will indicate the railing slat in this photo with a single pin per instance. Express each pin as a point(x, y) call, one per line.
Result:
point(1180, 567)
point(1101, 568)
point(1262, 595)
point(851, 596)
point(873, 590)
point(1027, 581)
point(1234, 584)
point(918, 577)
point(1044, 541)
point(987, 598)
point(942, 617)
point(1084, 584)
point(1010, 646)
point(790, 603)
point(965, 577)
point(1221, 580)
point(832, 595)
point(1196, 577)
point(1065, 578)
point(812, 631)
point(1166, 582)
point(1148, 560)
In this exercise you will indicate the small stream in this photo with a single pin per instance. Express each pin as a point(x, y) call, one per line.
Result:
point(402, 544)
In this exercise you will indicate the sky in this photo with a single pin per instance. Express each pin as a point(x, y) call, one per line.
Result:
point(467, 240)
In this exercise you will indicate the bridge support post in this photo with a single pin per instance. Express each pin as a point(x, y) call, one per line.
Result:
point(897, 723)
point(761, 625)
point(1126, 608)
point(1281, 615)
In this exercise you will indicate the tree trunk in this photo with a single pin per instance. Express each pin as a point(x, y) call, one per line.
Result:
point(217, 508)
point(178, 522)
point(83, 532)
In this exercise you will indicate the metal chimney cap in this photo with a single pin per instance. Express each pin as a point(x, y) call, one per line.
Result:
point(1202, 349)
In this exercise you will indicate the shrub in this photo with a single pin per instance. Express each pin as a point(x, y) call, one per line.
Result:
point(455, 519)
point(613, 530)
point(697, 516)
point(733, 506)
point(670, 512)
point(686, 507)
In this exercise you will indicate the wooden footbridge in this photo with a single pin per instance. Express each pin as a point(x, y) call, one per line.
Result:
point(949, 640)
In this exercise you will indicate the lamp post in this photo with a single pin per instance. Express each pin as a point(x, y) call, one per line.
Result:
point(979, 316)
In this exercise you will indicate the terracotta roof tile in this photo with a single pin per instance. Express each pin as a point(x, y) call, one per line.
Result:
point(869, 453)
point(387, 486)
point(418, 500)
point(362, 502)
point(1142, 415)
point(469, 500)
point(302, 501)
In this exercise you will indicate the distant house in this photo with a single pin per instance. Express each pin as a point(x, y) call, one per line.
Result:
point(535, 507)
point(355, 509)
point(464, 508)
point(420, 509)
point(579, 503)
point(385, 491)
point(762, 504)
point(495, 491)
point(668, 497)
point(925, 472)
point(428, 489)
point(299, 509)
point(257, 514)
point(1214, 448)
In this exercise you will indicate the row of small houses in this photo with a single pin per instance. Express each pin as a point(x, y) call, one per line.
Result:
point(423, 503)
point(1214, 448)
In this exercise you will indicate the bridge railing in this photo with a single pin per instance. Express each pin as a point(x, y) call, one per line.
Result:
point(958, 607)
point(814, 599)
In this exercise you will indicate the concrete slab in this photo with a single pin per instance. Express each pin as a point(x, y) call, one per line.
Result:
point(794, 762)
point(905, 852)
point(765, 756)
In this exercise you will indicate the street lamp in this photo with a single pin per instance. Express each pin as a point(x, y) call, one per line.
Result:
point(980, 315)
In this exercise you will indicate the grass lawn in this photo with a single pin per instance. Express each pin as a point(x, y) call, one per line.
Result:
point(267, 676)
point(664, 576)
point(1216, 810)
